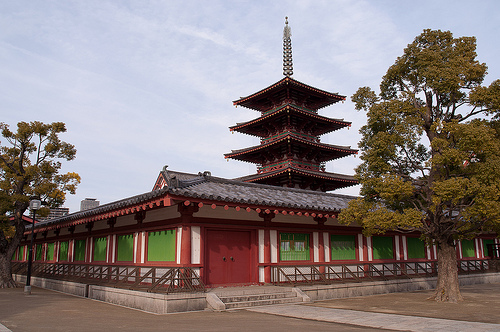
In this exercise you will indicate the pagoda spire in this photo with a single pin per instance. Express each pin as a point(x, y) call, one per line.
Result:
point(287, 50)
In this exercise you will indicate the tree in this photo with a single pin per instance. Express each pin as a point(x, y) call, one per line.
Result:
point(30, 167)
point(431, 151)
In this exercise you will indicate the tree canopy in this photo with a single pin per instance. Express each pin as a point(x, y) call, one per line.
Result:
point(431, 150)
point(30, 168)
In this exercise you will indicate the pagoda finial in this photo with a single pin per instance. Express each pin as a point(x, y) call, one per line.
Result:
point(287, 50)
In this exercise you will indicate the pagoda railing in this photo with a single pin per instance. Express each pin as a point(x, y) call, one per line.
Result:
point(146, 278)
point(340, 273)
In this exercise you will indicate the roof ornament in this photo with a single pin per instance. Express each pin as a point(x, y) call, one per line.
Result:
point(171, 180)
point(205, 174)
point(287, 50)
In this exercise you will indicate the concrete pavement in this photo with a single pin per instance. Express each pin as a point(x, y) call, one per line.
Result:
point(51, 311)
point(410, 311)
point(47, 310)
point(376, 320)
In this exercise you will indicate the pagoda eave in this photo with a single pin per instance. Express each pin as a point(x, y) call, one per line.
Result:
point(318, 98)
point(260, 127)
point(304, 179)
point(279, 146)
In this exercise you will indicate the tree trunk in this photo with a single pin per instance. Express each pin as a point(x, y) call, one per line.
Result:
point(447, 289)
point(6, 280)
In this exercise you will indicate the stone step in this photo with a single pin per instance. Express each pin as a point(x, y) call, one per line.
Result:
point(246, 304)
point(256, 297)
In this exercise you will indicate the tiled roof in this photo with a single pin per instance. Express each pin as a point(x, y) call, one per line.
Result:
point(206, 187)
point(333, 97)
point(235, 191)
point(106, 207)
point(326, 124)
point(253, 154)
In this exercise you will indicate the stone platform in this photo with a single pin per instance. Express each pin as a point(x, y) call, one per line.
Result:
point(221, 299)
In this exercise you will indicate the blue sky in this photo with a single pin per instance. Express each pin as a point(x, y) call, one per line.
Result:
point(143, 84)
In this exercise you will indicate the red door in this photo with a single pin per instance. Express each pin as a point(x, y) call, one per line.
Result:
point(228, 257)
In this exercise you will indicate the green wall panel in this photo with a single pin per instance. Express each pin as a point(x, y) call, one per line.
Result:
point(468, 249)
point(161, 246)
point(100, 244)
point(343, 247)
point(125, 250)
point(79, 255)
point(383, 247)
point(63, 251)
point(294, 247)
point(50, 252)
point(415, 247)
point(21, 253)
point(38, 252)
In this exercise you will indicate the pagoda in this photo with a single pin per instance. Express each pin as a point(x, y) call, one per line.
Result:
point(290, 151)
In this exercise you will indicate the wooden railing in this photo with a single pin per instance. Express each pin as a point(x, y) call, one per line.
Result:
point(150, 279)
point(339, 273)
point(183, 279)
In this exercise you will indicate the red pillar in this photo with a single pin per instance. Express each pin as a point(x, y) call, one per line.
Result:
point(186, 245)
point(71, 244)
point(186, 219)
point(321, 246)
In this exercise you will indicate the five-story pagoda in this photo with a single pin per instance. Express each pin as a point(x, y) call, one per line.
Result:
point(291, 153)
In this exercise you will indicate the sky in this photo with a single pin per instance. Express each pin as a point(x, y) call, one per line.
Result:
point(143, 84)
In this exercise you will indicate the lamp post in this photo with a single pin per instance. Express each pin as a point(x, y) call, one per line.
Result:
point(35, 205)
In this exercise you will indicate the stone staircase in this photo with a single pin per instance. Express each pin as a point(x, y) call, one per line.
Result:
point(221, 299)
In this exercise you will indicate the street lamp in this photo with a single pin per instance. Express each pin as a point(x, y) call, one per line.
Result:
point(35, 204)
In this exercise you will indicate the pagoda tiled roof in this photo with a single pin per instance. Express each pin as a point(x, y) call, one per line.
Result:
point(329, 124)
point(348, 180)
point(325, 98)
point(213, 190)
point(244, 154)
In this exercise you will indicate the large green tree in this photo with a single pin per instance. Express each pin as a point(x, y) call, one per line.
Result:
point(29, 168)
point(431, 151)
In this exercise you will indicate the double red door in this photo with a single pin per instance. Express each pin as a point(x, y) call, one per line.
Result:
point(228, 257)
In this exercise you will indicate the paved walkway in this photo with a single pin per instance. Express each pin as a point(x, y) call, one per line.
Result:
point(375, 320)
point(46, 310)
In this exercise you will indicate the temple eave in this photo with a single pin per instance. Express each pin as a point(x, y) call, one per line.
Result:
point(254, 101)
point(303, 179)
